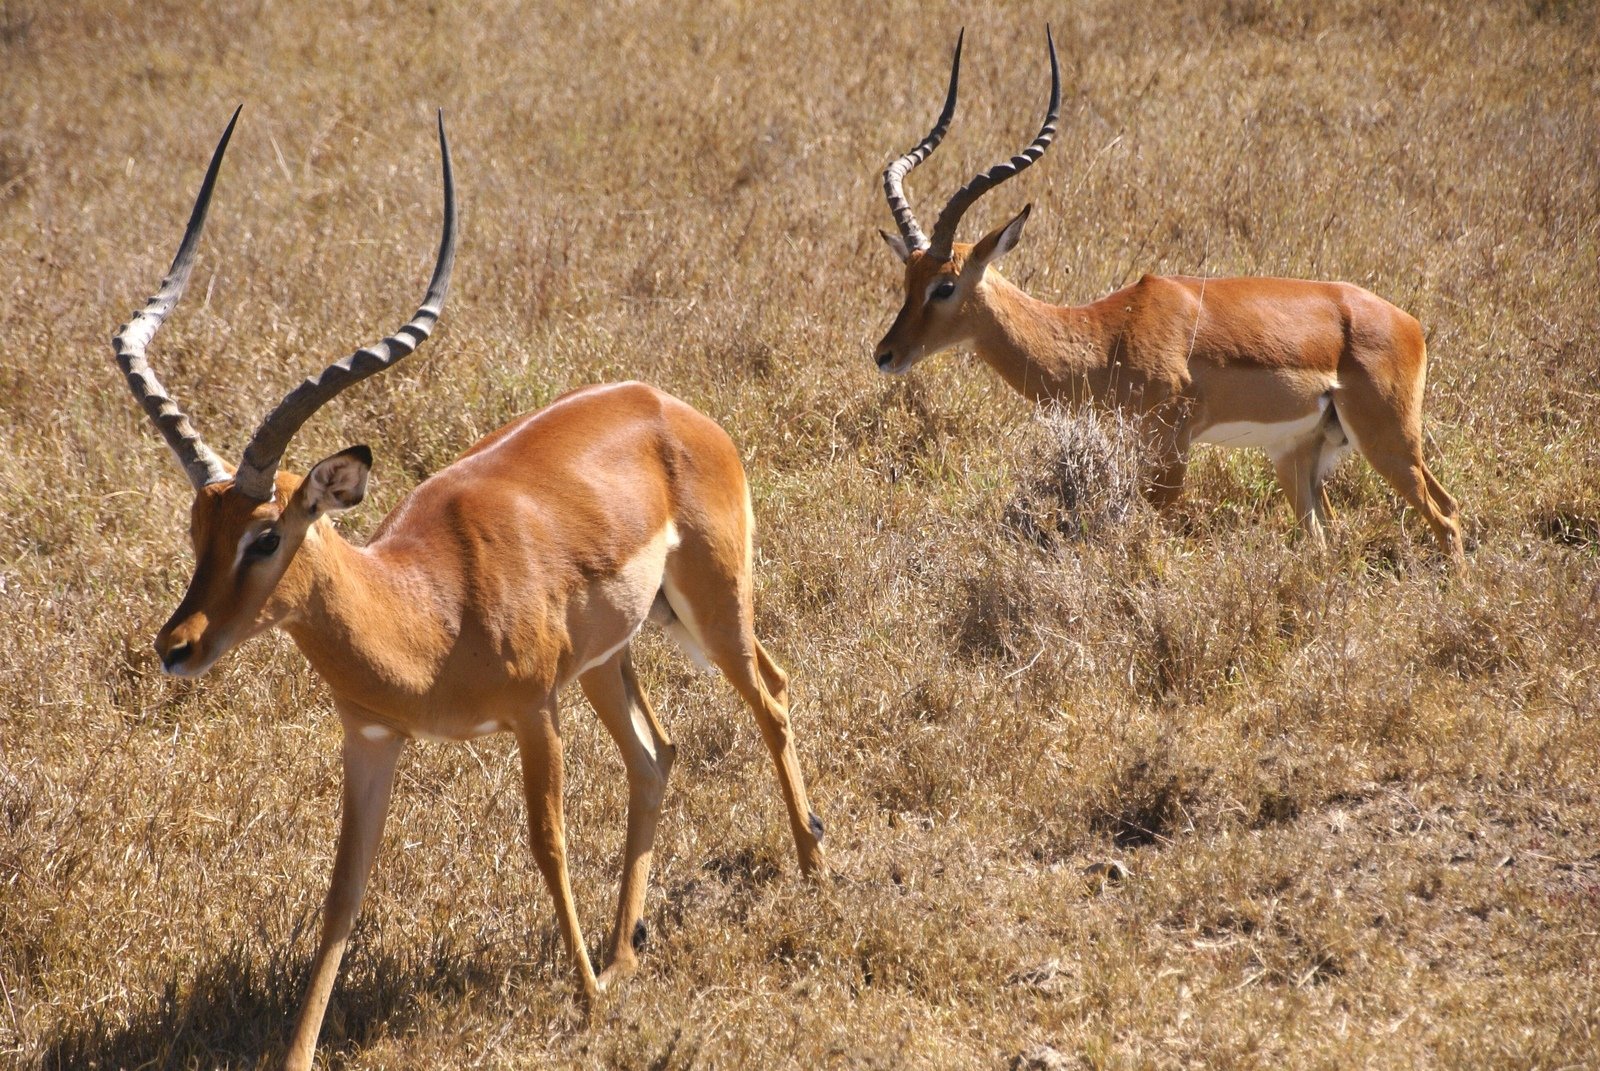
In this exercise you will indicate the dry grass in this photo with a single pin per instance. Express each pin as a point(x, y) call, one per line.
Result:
point(1356, 794)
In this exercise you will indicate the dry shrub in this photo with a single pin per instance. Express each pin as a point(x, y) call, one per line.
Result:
point(1571, 528)
point(1473, 640)
point(1079, 476)
point(1196, 627)
point(1148, 800)
point(1001, 607)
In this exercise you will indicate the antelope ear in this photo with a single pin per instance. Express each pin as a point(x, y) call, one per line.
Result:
point(997, 243)
point(336, 483)
point(896, 243)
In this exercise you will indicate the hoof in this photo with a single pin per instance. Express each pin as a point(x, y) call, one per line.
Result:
point(619, 971)
point(641, 936)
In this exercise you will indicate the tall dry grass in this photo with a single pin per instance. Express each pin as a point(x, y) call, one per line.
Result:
point(1355, 794)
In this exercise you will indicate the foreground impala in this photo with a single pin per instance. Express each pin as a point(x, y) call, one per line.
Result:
point(1303, 370)
point(531, 561)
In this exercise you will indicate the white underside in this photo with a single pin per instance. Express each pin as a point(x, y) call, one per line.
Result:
point(681, 626)
point(379, 732)
point(689, 645)
point(600, 660)
point(1332, 453)
point(1280, 439)
point(1273, 438)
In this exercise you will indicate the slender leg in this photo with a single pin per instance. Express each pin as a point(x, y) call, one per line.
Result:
point(539, 741)
point(613, 690)
point(1168, 460)
point(1299, 471)
point(1442, 498)
point(1410, 477)
point(773, 676)
point(708, 585)
point(749, 676)
point(1392, 444)
point(717, 610)
point(368, 779)
point(1323, 504)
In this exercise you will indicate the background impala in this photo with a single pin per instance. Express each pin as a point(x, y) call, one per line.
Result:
point(1303, 370)
point(1314, 768)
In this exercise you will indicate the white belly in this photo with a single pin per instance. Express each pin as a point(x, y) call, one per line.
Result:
point(380, 732)
point(1270, 437)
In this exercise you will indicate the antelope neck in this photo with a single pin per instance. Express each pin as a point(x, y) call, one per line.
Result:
point(372, 623)
point(1043, 351)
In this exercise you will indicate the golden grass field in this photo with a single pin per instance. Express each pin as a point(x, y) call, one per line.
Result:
point(1358, 793)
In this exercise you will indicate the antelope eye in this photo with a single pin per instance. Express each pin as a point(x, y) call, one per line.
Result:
point(266, 544)
point(944, 290)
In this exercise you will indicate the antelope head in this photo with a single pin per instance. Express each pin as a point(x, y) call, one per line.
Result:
point(248, 522)
point(944, 277)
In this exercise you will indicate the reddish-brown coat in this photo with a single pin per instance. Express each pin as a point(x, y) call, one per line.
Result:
point(529, 562)
point(1293, 365)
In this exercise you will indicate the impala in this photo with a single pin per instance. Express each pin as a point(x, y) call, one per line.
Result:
point(529, 562)
point(1303, 370)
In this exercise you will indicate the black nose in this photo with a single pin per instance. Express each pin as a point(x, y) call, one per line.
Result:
point(885, 357)
point(177, 655)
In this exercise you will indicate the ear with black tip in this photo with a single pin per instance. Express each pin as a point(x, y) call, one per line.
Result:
point(896, 243)
point(998, 242)
point(336, 483)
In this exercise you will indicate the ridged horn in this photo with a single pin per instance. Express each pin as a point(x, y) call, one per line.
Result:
point(129, 343)
point(944, 229)
point(894, 175)
point(259, 465)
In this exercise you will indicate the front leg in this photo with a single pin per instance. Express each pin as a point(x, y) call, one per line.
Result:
point(647, 753)
point(539, 742)
point(369, 764)
point(1166, 438)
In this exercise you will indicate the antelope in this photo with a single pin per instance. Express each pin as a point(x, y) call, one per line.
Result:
point(531, 561)
point(1303, 370)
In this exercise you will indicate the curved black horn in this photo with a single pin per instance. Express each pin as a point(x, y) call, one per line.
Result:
point(894, 175)
point(271, 438)
point(944, 230)
point(199, 463)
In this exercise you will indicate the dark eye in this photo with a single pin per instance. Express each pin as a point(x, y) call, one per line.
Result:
point(944, 290)
point(266, 544)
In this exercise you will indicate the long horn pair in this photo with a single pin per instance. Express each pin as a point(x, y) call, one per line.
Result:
point(944, 230)
point(259, 465)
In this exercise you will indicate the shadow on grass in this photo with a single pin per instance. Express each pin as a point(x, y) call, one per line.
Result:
point(237, 1013)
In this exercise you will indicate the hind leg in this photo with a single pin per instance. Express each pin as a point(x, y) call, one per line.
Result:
point(750, 678)
point(773, 676)
point(613, 690)
point(1442, 498)
point(1410, 476)
point(1300, 470)
point(1392, 444)
point(1323, 504)
point(710, 594)
point(777, 687)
